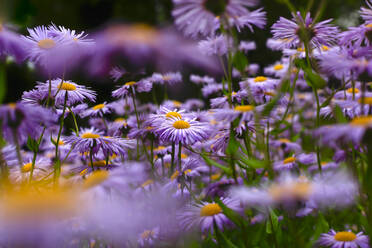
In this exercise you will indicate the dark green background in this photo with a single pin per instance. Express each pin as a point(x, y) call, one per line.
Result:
point(89, 15)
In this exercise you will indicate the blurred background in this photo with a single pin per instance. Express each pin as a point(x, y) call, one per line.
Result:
point(90, 15)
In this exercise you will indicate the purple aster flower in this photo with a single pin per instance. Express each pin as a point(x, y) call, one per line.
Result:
point(247, 46)
point(210, 89)
point(356, 36)
point(184, 131)
point(204, 215)
point(217, 45)
point(289, 31)
point(11, 43)
point(42, 168)
point(92, 140)
point(97, 110)
point(59, 88)
point(352, 131)
point(26, 120)
point(141, 46)
point(203, 17)
point(293, 161)
point(148, 237)
point(169, 78)
point(143, 85)
point(366, 13)
point(286, 145)
point(117, 72)
point(253, 18)
point(202, 80)
point(344, 239)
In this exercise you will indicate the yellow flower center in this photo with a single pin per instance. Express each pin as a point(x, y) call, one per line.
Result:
point(148, 182)
point(83, 172)
point(67, 86)
point(147, 234)
point(131, 83)
point(26, 167)
point(96, 178)
point(46, 43)
point(181, 124)
point(159, 148)
point(90, 136)
point(210, 209)
point(350, 90)
point(362, 121)
point(187, 171)
point(183, 156)
point(268, 93)
point(345, 236)
point(300, 49)
point(244, 108)
point(99, 106)
point(260, 79)
point(369, 25)
point(99, 163)
point(12, 105)
point(325, 48)
point(297, 190)
point(175, 175)
point(173, 114)
point(278, 67)
point(215, 176)
point(366, 100)
point(177, 104)
point(284, 140)
point(289, 160)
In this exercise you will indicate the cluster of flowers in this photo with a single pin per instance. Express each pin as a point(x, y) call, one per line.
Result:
point(256, 155)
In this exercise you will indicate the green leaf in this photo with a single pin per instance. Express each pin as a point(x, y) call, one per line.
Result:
point(3, 86)
point(222, 239)
point(233, 145)
point(272, 223)
point(339, 115)
point(32, 144)
point(231, 214)
point(270, 105)
point(253, 163)
point(215, 164)
point(240, 61)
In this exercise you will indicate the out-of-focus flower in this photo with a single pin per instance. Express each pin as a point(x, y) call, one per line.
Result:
point(11, 43)
point(289, 32)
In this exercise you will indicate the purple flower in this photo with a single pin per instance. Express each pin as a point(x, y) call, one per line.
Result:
point(92, 140)
point(144, 85)
point(344, 239)
point(97, 110)
point(204, 215)
point(184, 131)
point(202, 80)
point(203, 17)
point(217, 45)
point(247, 46)
point(169, 78)
point(11, 44)
point(289, 31)
point(366, 13)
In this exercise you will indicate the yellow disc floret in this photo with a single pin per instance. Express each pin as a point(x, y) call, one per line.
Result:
point(90, 136)
point(244, 108)
point(350, 90)
point(26, 167)
point(210, 209)
point(345, 236)
point(131, 83)
point(96, 178)
point(173, 114)
point(289, 160)
point(46, 43)
point(67, 86)
point(260, 79)
point(181, 124)
point(99, 106)
point(362, 121)
point(278, 67)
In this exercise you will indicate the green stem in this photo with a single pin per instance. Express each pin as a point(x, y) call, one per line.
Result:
point(18, 148)
point(91, 158)
point(75, 122)
point(179, 155)
point(35, 154)
point(172, 158)
point(58, 161)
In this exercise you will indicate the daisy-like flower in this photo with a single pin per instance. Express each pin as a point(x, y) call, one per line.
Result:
point(366, 13)
point(43, 47)
point(71, 36)
point(205, 214)
point(42, 167)
point(94, 141)
point(293, 161)
point(11, 43)
point(59, 89)
point(169, 78)
point(357, 36)
point(352, 131)
point(97, 110)
point(184, 131)
point(217, 45)
point(344, 239)
point(203, 17)
point(247, 46)
point(260, 83)
point(202, 80)
point(164, 113)
point(290, 32)
point(148, 237)
point(143, 85)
